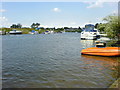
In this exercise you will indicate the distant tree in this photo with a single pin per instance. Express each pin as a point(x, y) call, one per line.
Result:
point(47, 28)
point(66, 27)
point(79, 28)
point(13, 26)
point(19, 25)
point(35, 25)
point(16, 26)
point(42, 28)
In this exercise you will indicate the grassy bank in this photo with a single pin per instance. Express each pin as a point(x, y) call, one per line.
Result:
point(24, 30)
point(113, 43)
point(27, 30)
point(116, 84)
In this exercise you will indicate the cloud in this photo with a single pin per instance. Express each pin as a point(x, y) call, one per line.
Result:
point(2, 10)
point(56, 10)
point(3, 19)
point(115, 12)
point(4, 22)
point(98, 3)
point(73, 23)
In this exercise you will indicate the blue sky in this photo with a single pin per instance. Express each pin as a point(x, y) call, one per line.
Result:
point(55, 14)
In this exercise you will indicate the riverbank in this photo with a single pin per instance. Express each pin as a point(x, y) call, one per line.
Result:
point(113, 43)
point(116, 84)
point(40, 30)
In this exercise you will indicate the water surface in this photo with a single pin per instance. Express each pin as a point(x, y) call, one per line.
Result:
point(53, 61)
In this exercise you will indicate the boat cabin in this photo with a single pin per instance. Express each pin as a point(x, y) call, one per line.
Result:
point(89, 32)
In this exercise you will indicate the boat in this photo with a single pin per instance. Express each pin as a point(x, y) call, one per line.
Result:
point(48, 32)
point(104, 39)
point(89, 32)
point(100, 43)
point(104, 51)
point(33, 32)
point(15, 32)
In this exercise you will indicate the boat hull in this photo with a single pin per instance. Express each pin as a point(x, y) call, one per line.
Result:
point(107, 51)
point(15, 32)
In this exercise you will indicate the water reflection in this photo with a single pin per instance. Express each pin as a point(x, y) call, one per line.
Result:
point(53, 61)
point(102, 63)
point(87, 43)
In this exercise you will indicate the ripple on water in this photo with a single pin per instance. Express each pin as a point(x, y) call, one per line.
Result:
point(55, 61)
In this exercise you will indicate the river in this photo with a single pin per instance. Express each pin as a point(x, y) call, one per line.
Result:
point(53, 61)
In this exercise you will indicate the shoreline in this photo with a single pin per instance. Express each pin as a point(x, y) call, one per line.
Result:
point(116, 84)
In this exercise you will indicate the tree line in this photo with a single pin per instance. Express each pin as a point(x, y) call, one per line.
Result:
point(111, 26)
point(34, 25)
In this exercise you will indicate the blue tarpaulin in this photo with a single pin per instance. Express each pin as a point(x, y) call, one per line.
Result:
point(33, 31)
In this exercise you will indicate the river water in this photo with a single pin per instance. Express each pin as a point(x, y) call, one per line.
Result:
point(53, 61)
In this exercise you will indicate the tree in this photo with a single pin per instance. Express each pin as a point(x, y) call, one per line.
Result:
point(16, 26)
point(112, 26)
point(66, 28)
point(19, 25)
point(13, 26)
point(79, 28)
point(96, 25)
point(101, 27)
point(35, 25)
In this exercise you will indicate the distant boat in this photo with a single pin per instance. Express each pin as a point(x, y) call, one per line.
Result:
point(15, 32)
point(106, 51)
point(49, 32)
point(33, 32)
point(89, 32)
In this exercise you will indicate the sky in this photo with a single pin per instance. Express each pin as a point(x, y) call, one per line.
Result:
point(55, 14)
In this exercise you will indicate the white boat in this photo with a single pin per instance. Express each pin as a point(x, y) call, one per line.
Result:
point(104, 39)
point(88, 36)
point(15, 32)
point(89, 32)
point(48, 32)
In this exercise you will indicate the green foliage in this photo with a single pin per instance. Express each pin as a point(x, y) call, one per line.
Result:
point(16, 26)
point(24, 30)
point(41, 30)
point(101, 27)
point(112, 27)
point(59, 30)
point(6, 29)
point(35, 25)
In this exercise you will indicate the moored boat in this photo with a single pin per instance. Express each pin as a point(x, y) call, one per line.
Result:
point(15, 32)
point(106, 51)
point(89, 32)
point(33, 32)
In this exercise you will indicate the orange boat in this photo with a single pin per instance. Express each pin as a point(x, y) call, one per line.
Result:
point(106, 51)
